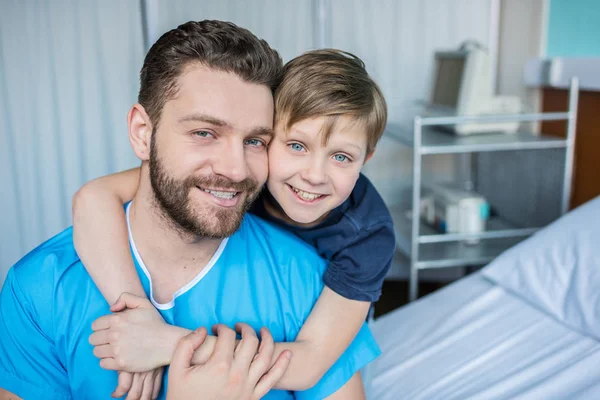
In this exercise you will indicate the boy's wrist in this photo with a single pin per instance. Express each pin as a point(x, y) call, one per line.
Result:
point(169, 337)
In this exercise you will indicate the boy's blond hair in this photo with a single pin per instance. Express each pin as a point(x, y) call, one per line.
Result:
point(330, 83)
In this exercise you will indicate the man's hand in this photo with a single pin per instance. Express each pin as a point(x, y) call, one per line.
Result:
point(139, 385)
point(232, 372)
point(131, 339)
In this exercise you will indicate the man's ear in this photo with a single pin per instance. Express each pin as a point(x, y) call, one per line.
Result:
point(140, 131)
point(368, 157)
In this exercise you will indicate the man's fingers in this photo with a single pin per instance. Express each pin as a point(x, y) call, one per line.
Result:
point(270, 379)
point(102, 323)
point(99, 338)
point(104, 351)
point(125, 381)
point(135, 391)
point(225, 343)
point(247, 348)
point(262, 361)
point(157, 384)
point(147, 386)
point(187, 346)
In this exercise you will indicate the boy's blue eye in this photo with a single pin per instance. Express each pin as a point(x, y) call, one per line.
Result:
point(341, 158)
point(254, 142)
point(296, 147)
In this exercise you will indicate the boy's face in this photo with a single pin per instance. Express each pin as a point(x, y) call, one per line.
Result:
point(309, 178)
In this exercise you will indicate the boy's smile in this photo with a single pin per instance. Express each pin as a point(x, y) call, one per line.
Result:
point(309, 177)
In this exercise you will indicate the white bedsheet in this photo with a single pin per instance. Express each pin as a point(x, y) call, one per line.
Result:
point(474, 340)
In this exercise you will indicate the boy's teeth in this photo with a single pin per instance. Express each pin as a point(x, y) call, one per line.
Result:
point(221, 195)
point(306, 195)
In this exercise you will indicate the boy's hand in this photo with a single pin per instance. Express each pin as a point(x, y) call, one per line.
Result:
point(233, 372)
point(131, 339)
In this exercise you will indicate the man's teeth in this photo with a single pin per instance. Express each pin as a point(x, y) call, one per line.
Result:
point(221, 195)
point(306, 195)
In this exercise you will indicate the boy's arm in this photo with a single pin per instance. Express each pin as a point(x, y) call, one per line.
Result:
point(4, 395)
point(100, 233)
point(327, 333)
point(330, 328)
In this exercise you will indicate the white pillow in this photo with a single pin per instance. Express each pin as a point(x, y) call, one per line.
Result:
point(558, 269)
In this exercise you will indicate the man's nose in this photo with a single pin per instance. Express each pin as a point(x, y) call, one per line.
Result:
point(231, 162)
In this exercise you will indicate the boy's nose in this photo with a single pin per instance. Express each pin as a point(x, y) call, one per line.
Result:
point(315, 173)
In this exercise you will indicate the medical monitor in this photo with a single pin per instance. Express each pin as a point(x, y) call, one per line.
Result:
point(462, 86)
point(461, 81)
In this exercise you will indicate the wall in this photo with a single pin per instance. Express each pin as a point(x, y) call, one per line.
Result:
point(574, 28)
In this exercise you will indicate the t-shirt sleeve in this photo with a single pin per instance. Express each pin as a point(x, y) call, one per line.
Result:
point(361, 351)
point(29, 362)
point(358, 270)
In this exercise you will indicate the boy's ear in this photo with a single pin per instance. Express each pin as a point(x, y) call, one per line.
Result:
point(368, 157)
point(140, 131)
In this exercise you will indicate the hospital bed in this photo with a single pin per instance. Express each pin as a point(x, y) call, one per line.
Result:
point(527, 326)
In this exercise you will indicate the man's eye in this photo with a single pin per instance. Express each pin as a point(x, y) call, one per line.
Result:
point(341, 158)
point(296, 147)
point(204, 134)
point(255, 142)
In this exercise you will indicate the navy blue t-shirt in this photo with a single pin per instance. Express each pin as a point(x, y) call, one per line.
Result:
point(357, 238)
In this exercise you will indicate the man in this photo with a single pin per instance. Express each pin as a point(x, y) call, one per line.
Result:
point(201, 130)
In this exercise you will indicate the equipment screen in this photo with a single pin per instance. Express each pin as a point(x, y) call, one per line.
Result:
point(448, 80)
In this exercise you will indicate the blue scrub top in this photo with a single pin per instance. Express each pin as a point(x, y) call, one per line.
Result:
point(261, 275)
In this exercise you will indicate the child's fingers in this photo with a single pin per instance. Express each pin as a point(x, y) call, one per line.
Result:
point(102, 323)
point(103, 351)
point(187, 346)
point(270, 379)
point(99, 338)
point(128, 300)
point(110, 364)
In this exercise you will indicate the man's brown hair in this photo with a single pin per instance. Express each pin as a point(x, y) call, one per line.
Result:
point(330, 83)
point(215, 44)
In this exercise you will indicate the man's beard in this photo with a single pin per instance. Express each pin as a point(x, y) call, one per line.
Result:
point(210, 221)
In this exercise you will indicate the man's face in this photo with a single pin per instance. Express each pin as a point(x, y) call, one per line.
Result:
point(208, 158)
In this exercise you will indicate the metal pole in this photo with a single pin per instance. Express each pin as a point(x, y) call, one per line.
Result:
point(416, 210)
point(570, 150)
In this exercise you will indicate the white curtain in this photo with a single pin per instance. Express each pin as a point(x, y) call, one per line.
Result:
point(288, 25)
point(68, 75)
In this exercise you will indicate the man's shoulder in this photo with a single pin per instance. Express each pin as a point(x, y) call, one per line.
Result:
point(38, 272)
point(277, 238)
point(57, 251)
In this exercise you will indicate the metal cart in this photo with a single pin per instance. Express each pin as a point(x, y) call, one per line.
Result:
point(425, 247)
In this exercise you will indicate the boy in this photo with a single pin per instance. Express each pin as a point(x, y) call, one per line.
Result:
point(329, 117)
